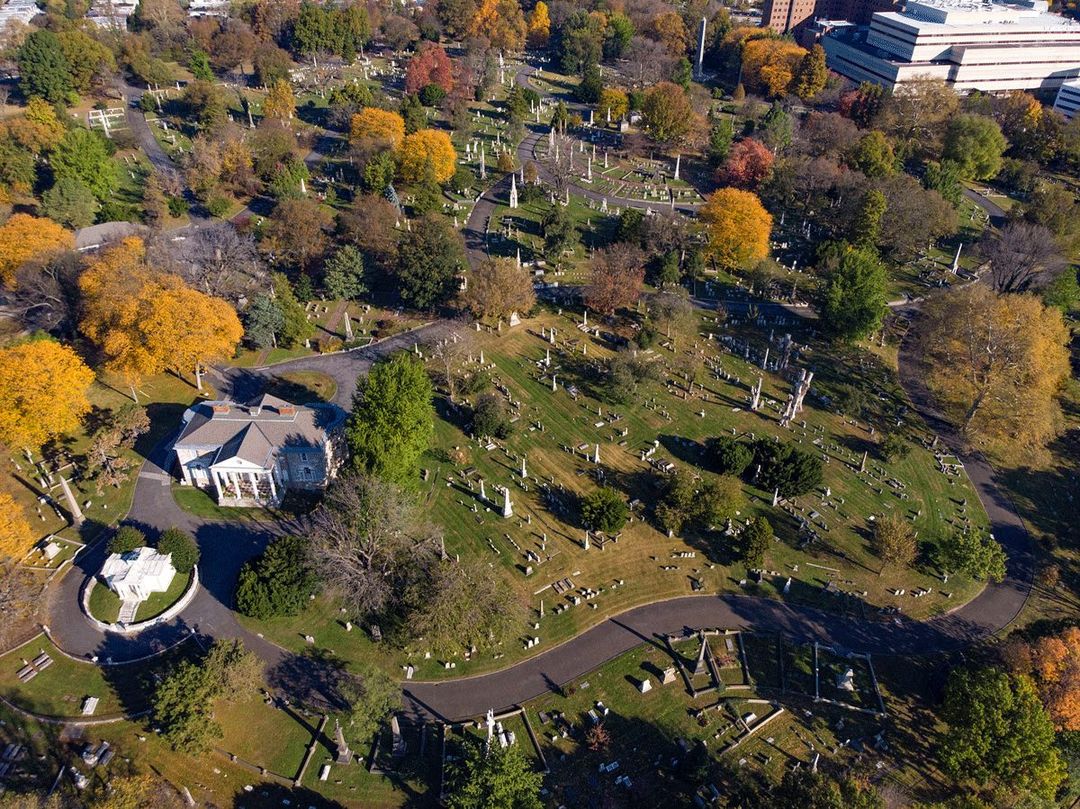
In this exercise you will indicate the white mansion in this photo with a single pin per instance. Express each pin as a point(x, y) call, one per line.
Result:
point(971, 44)
point(249, 455)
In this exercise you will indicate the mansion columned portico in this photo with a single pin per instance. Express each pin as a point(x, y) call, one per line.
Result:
point(250, 455)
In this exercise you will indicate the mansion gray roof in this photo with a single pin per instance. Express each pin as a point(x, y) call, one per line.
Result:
point(255, 432)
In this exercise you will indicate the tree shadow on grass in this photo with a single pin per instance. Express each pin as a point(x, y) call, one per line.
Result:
point(271, 794)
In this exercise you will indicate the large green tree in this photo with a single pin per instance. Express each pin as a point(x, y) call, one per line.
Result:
point(392, 420)
point(277, 582)
point(83, 155)
point(430, 257)
point(999, 732)
point(44, 69)
point(974, 553)
point(70, 203)
point(493, 777)
point(854, 303)
point(975, 144)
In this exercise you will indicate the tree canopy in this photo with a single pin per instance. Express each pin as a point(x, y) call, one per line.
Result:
point(999, 732)
point(392, 420)
point(738, 227)
point(43, 385)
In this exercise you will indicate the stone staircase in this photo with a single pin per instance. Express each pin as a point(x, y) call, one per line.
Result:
point(127, 611)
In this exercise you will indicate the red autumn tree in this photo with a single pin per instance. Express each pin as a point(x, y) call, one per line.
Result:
point(748, 164)
point(615, 277)
point(429, 65)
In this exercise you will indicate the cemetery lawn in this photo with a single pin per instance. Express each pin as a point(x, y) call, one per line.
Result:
point(841, 556)
point(264, 735)
point(60, 689)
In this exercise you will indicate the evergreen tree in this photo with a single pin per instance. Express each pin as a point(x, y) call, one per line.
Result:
point(493, 777)
point(295, 327)
point(855, 299)
point(756, 539)
point(412, 111)
point(867, 226)
point(591, 85)
point(44, 71)
point(430, 257)
point(343, 276)
point(70, 203)
point(263, 322)
point(392, 420)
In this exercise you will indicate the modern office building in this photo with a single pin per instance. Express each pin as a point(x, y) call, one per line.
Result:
point(1068, 99)
point(972, 45)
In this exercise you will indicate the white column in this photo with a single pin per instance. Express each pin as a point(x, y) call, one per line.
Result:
point(217, 482)
point(254, 485)
point(273, 488)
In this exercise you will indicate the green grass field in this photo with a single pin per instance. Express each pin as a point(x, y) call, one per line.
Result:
point(474, 529)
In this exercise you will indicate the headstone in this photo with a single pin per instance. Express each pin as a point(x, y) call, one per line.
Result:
point(699, 667)
point(669, 675)
point(343, 754)
point(645, 686)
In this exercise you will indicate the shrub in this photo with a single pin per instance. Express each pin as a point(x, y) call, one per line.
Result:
point(755, 542)
point(787, 468)
point(218, 205)
point(432, 95)
point(178, 206)
point(894, 447)
point(279, 582)
point(126, 539)
point(604, 510)
point(182, 547)
point(730, 457)
point(491, 417)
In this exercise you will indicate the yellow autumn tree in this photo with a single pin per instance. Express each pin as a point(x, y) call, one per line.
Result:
point(613, 104)
point(502, 23)
point(371, 123)
point(15, 536)
point(280, 102)
point(996, 364)
point(428, 146)
point(25, 238)
point(146, 321)
point(43, 385)
point(539, 26)
point(738, 227)
point(210, 329)
point(770, 65)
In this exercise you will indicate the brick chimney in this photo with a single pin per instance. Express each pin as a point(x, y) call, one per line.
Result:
point(220, 408)
point(287, 410)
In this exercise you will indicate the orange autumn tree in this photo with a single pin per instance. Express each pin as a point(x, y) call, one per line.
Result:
point(748, 164)
point(25, 238)
point(374, 124)
point(770, 65)
point(147, 321)
point(428, 147)
point(1054, 663)
point(15, 536)
point(43, 385)
point(738, 227)
point(502, 23)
